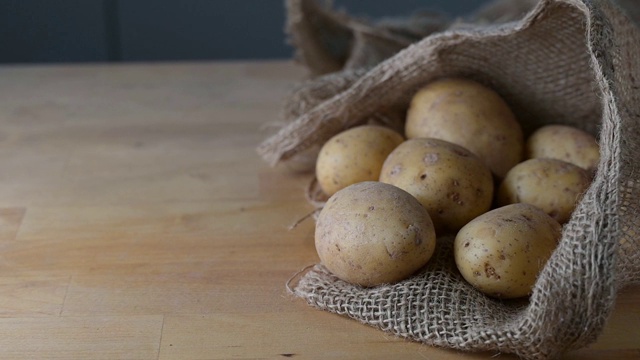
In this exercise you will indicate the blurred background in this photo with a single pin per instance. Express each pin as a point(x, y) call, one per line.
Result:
point(41, 31)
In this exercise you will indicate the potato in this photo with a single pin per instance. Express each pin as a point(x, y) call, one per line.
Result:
point(448, 180)
point(471, 115)
point(353, 156)
point(502, 252)
point(552, 185)
point(564, 143)
point(372, 233)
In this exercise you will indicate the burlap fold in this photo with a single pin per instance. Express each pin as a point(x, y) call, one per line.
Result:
point(327, 40)
point(574, 62)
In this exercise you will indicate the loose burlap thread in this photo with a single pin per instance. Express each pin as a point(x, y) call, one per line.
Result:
point(572, 62)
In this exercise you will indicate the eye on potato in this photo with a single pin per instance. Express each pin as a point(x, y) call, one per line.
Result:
point(373, 233)
point(353, 156)
point(564, 143)
point(471, 115)
point(449, 181)
point(502, 251)
point(552, 185)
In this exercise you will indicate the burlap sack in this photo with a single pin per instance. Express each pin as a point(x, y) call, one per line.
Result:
point(573, 62)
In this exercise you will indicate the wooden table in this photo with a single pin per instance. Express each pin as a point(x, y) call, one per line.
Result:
point(137, 222)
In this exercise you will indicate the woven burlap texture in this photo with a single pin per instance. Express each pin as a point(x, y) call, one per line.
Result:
point(567, 61)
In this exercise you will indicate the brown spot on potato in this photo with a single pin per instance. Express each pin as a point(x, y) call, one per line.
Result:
point(466, 244)
point(490, 271)
point(423, 176)
point(371, 208)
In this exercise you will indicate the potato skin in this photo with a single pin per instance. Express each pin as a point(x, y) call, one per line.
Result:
point(471, 115)
point(372, 233)
point(353, 156)
point(448, 180)
point(552, 185)
point(502, 252)
point(564, 143)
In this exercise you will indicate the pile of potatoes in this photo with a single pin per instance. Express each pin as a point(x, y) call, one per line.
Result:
point(463, 167)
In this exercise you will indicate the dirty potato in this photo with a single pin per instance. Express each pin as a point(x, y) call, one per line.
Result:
point(353, 156)
point(564, 143)
point(471, 115)
point(552, 185)
point(373, 233)
point(449, 181)
point(502, 252)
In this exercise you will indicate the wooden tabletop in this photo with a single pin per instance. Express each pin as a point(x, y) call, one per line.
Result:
point(137, 222)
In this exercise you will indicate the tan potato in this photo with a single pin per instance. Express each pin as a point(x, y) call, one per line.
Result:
point(564, 143)
point(552, 185)
point(502, 252)
point(372, 233)
point(353, 156)
point(471, 115)
point(448, 180)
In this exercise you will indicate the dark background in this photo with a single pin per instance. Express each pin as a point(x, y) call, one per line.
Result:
point(38, 31)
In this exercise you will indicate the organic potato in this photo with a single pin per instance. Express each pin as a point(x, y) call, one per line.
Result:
point(502, 251)
point(552, 185)
point(372, 233)
point(448, 180)
point(471, 115)
point(354, 155)
point(564, 143)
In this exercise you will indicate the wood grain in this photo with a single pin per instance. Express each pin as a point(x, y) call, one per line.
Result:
point(10, 221)
point(137, 222)
point(32, 296)
point(71, 338)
